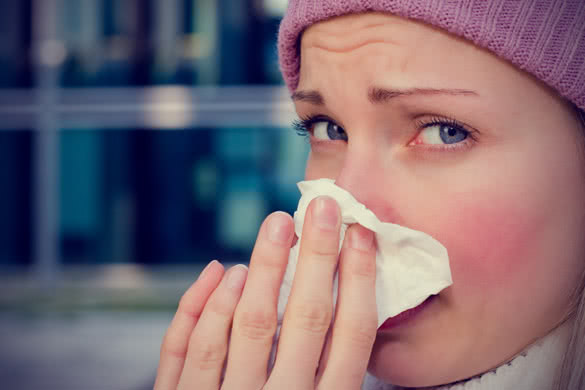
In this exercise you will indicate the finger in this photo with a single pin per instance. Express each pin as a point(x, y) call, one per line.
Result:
point(355, 325)
point(255, 317)
point(176, 339)
point(308, 314)
point(324, 357)
point(209, 341)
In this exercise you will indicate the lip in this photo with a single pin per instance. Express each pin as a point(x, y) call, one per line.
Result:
point(406, 316)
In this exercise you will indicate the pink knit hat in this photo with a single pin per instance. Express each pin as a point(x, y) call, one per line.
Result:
point(543, 37)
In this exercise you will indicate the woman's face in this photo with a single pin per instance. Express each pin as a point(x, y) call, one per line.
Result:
point(433, 133)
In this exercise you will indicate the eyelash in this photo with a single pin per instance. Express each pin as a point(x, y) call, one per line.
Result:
point(303, 127)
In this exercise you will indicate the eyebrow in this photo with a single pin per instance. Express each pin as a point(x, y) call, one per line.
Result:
point(382, 95)
point(313, 97)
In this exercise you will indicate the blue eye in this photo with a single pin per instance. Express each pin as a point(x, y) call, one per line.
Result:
point(328, 131)
point(452, 135)
point(441, 134)
point(321, 127)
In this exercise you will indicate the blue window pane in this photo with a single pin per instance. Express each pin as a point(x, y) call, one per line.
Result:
point(15, 190)
point(172, 196)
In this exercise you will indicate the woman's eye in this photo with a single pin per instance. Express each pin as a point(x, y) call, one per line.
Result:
point(328, 131)
point(441, 134)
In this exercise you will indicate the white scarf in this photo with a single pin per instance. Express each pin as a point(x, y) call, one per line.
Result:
point(533, 369)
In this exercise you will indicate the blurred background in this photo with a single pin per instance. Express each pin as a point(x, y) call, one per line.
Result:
point(139, 139)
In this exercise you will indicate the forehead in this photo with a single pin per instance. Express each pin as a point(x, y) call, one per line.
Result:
point(347, 55)
point(347, 31)
point(388, 46)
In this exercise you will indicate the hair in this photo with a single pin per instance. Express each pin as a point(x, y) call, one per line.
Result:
point(572, 370)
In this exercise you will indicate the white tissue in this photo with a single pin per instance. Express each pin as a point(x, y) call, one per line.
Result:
point(410, 265)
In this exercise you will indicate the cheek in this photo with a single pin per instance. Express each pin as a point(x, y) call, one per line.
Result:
point(490, 242)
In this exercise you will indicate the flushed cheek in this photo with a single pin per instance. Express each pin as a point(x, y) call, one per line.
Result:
point(491, 244)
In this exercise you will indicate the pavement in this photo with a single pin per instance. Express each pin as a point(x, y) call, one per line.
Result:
point(99, 350)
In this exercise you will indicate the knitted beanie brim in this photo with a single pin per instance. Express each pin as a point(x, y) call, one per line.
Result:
point(543, 37)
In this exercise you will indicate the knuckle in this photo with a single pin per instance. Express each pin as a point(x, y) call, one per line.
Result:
point(256, 324)
point(173, 347)
point(185, 305)
point(313, 317)
point(324, 253)
point(321, 248)
point(359, 333)
point(220, 308)
point(363, 268)
point(207, 355)
point(268, 259)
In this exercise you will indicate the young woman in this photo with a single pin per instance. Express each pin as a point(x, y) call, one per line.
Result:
point(461, 119)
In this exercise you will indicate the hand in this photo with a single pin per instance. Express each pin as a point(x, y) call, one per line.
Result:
point(238, 309)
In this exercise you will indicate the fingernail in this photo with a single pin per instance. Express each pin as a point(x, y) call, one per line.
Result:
point(237, 277)
point(206, 269)
point(325, 213)
point(279, 231)
point(361, 239)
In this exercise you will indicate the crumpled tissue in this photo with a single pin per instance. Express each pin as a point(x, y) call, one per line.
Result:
point(410, 265)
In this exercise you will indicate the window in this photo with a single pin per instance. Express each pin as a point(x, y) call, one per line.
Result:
point(149, 132)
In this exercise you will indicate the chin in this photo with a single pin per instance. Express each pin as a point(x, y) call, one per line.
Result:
point(401, 364)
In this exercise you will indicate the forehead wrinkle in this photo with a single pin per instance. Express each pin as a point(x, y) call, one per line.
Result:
point(351, 47)
point(346, 40)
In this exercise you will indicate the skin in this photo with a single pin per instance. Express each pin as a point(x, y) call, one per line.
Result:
point(507, 205)
point(195, 346)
